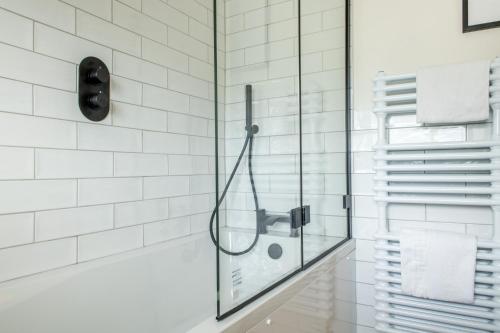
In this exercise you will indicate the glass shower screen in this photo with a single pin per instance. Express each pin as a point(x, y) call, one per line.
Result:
point(281, 142)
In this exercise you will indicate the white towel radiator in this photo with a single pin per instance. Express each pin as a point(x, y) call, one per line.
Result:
point(451, 173)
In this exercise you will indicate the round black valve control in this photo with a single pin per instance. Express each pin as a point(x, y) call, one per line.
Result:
point(98, 101)
point(99, 75)
point(94, 89)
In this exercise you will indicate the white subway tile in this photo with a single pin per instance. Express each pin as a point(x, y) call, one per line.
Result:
point(199, 222)
point(166, 14)
point(107, 138)
point(31, 195)
point(201, 32)
point(201, 107)
point(334, 18)
point(325, 80)
point(235, 23)
point(188, 205)
point(52, 12)
point(274, 164)
point(109, 242)
point(323, 41)
point(17, 163)
point(201, 146)
point(139, 23)
point(23, 65)
point(335, 183)
point(101, 8)
point(363, 162)
point(108, 34)
point(16, 229)
point(135, 164)
point(311, 23)
point(324, 163)
point(133, 3)
point(283, 30)
point(187, 84)
point(201, 69)
point(63, 223)
point(138, 69)
point(283, 68)
point(16, 96)
point(246, 38)
point(362, 184)
point(334, 100)
point(16, 30)
point(163, 55)
point(187, 44)
point(125, 90)
point(61, 45)
point(180, 165)
point(184, 124)
point(235, 7)
point(54, 103)
point(191, 8)
point(53, 164)
point(334, 59)
point(108, 190)
point(200, 184)
point(133, 116)
point(313, 6)
point(165, 143)
point(363, 120)
point(270, 51)
point(336, 226)
point(363, 140)
point(166, 230)
point(29, 131)
point(166, 186)
point(164, 99)
point(270, 14)
point(34, 258)
point(139, 212)
point(335, 142)
point(364, 206)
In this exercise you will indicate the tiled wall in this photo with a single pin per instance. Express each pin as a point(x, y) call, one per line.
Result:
point(72, 190)
point(262, 50)
point(388, 35)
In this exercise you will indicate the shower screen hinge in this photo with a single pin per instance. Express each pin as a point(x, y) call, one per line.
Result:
point(347, 201)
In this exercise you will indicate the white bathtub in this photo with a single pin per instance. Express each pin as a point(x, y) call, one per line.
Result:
point(164, 288)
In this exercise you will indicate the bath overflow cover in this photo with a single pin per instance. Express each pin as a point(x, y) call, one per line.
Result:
point(275, 251)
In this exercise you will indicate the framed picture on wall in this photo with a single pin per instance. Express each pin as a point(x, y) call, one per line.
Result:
point(480, 14)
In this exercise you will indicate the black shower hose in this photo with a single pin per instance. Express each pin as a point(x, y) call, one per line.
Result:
point(249, 143)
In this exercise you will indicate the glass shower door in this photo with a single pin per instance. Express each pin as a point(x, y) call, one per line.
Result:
point(261, 148)
point(281, 133)
point(323, 91)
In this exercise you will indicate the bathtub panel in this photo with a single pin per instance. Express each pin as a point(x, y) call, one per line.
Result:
point(143, 291)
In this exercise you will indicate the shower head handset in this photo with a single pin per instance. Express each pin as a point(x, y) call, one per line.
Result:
point(263, 220)
point(249, 126)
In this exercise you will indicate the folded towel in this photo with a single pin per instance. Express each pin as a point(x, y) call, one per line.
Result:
point(453, 93)
point(438, 265)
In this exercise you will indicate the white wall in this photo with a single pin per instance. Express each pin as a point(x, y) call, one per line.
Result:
point(72, 190)
point(398, 37)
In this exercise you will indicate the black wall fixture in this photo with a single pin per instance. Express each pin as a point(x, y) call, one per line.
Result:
point(93, 89)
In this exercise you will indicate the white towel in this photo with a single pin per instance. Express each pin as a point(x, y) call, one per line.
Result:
point(438, 265)
point(453, 93)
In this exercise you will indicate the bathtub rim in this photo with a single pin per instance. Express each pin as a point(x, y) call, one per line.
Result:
point(258, 309)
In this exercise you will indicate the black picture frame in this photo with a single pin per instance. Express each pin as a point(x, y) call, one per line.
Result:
point(476, 27)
